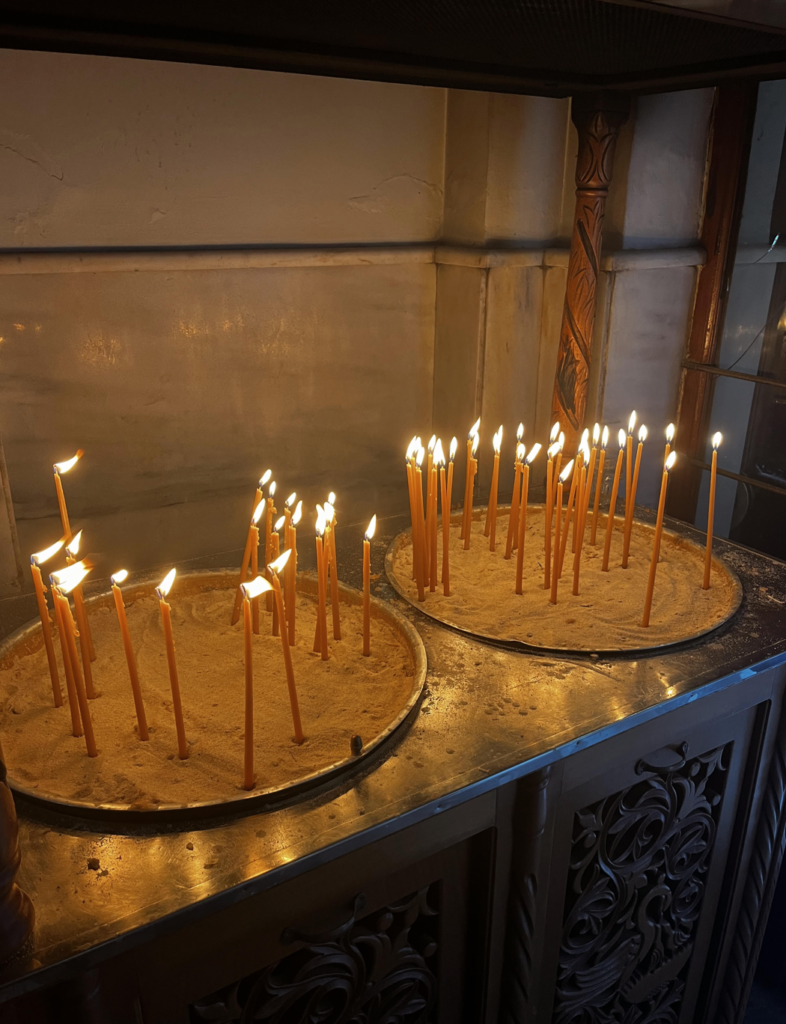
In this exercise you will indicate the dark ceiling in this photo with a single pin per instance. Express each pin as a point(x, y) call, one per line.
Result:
point(543, 46)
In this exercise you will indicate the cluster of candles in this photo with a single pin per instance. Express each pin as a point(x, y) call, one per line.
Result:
point(278, 585)
point(587, 465)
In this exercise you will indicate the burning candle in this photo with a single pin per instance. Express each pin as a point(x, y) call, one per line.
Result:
point(275, 551)
point(471, 495)
point(658, 533)
point(437, 465)
point(558, 460)
point(629, 460)
point(252, 540)
point(513, 520)
point(36, 561)
point(410, 463)
point(613, 502)
point(321, 525)
point(584, 454)
point(63, 583)
point(118, 578)
point(430, 480)
point(270, 518)
point(631, 507)
point(251, 592)
point(569, 511)
point(491, 512)
point(669, 439)
point(445, 481)
point(289, 595)
point(297, 515)
point(420, 575)
point(469, 480)
point(73, 700)
point(716, 440)
point(367, 586)
point(331, 563)
point(601, 463)
point(522, 523)
point(591, 470)
point(551, 456)
point(85, 647)
point(260, 488)
point(254, 563)
point(564, 474)
point(273, 572)
point(59, 469)
point(162, 590)
point(581, 518)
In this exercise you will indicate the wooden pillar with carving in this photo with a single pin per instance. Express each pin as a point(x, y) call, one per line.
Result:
point(16, 909)
point(598, 118)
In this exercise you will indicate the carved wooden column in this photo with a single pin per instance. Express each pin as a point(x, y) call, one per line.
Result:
point(16, 910)
point(598, 118)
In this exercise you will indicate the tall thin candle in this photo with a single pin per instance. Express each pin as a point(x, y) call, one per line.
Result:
point(59, 469)
point(716, 440)
point(584, 454)
point(273, 570)
point(471, 494)
point(64, 583)
point(139, 705)
point(491, 515)
point(552, 453)
point(275, 551)
point(447, 505)
point(73, 700)
point(564, 474)
point(252, 539)
point(321, 524)
point(669, 440)
point(88, 654)
point(632, 506)
point(251, 592)
point(367, 586)
point(522, 523)
point(629, 460)
point(601, 463)
point(656, 540)
point(472, 446)
point(429, 491)
point(36, 561)
point(297, 515)
point(419, 550)
point(270, 518)
point(513, 519)
point(162, 591)
point(332, 563)
point(613, 503)
point(591, 470)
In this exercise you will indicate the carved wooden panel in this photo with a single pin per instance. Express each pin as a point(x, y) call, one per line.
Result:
point(378, 969)
point(637, 871)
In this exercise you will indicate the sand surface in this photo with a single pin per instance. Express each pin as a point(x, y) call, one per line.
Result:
point(346, 696)
point(606, 615)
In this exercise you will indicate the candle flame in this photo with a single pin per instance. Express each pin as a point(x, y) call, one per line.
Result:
point(605, 437)
point(520, 452)
point(585, 452)
point(332, 498)
point(412, 447)
point(632, 422)
point(253, 588)
point(72, 548)
point(265, 477)
point(475, 443)
point(596, 434)
point(566, 471)
point(554, 432)
point(561, 440)
point(584, 438)
point(258, 512)
point(497, 440)
point(291, 500)
point(670, 432)
point(453, 448)
point(533, 453)
point(520, 432)
point(119, 577)
point(321, 518)
point(63, 467)
point(298, 513)
point(439, 454)
point(716, 440)
point(67, 579)
point(43, 556)
point(329, 513)
point(272, 489)
point(621, 438)
point(165, 585)
point(280, 562)
point(553, 450)
point(432, 442)
point(372, 526)
point(642, 434)
point(670, 461)
point(279, 523)
point(420, 456)
point(475, 428)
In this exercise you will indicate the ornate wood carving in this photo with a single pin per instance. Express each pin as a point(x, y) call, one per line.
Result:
point(368, 971)
point(16, 909)
point(765, 865)
point(598, 118)
point(529, 827)
point(635, 887)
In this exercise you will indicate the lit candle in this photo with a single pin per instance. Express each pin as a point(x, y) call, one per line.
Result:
point(289, 593)
point(367, 586)
point(591, 470)
point(629, 460)
point(438, 463)
point(472, 447)
point(552, 453)
point(613, 503)
point(321, 524)
point(471, 495)
point(491, 512)
point(513, 520)
point(522, 523)
point(564, 474)
point(581, 517)
point(601, 463)
point(162, 590)
point(256, 516)
point(656, 542)
point(270, 518)
point(260, 487)
point(275, 550)
point(669, 440)
point(63, 583)
point(59, 469)
point(252, 542)
point(410, 463)
point(331, 562)
point(632, 504)
point(420, 573)
point(297, 515)
point(430, 481)
point(274, 569)
point(36, 561)
point(584, 454)
point(558, 460)
point(251, 591)
point(569, 513)
point(118, 578)
point(88, 655)
point(73, 700)
point(716, 440)
point(444, 480)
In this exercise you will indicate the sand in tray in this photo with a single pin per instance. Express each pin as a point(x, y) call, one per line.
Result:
point(346, 696)
point(606, 615)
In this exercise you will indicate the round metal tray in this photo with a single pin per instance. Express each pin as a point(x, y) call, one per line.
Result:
point(256, 799)
point(515, 644)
